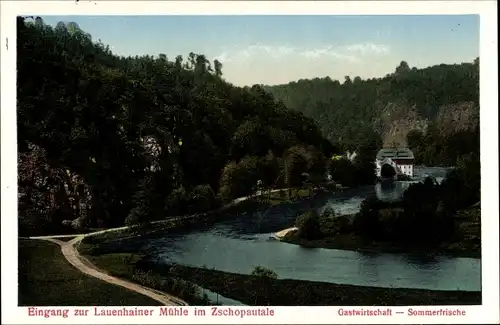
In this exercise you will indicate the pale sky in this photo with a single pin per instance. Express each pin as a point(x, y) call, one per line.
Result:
point(267, 49)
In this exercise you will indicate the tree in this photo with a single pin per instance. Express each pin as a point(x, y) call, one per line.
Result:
point(265, 277)
point(269, 170)
point(403, 68)
point(366, 221)
point(462, 186)
point(250, 138)
point(343, 172)
point(352, 113)
point(309, 225)
point(239, 179)
point(202, 198)
point(117, 124)
point(415, 139)
point(218, 68)
point(176, 203)
point(296, 159)
point(420, 203)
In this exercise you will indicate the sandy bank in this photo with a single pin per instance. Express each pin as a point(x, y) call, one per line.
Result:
point(282, 233)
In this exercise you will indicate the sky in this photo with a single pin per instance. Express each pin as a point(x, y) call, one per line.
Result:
point(271, 50)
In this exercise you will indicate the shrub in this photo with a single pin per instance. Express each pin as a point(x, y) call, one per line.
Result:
point(341, 225)
point(177, 202)
point(309, 225)
point(343, 171)
point(261, 271)
point(177, 286)
point(264, 275)
point(202, 198)
point(238, 178)
point(366, 220)
point(391, 224)
point(332, 224)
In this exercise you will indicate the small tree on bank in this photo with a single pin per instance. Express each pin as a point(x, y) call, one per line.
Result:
point(265, 276)
point(308, 224)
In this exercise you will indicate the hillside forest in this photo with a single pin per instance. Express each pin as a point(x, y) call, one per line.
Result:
point(106, 140)
point(433, 111)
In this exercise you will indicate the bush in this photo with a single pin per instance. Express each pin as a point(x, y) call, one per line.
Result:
point(261, 271)
point(238, 178)
point(173, 285)
point(462, 185)
point(264, 276)
point(177, 202)
point(391, 224)
point(343, 172)
point(202, 198)
point(420, 202)
point(366, 220)
point(309, 225)
point(341, 225)
point(403, 177)
point(423, 215)
point(296, 160)
point(268, 169)
point(133, 218)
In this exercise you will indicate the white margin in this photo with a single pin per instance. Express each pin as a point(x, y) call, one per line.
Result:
point(487, 313)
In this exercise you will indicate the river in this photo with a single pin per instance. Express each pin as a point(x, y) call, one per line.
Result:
point(245, 241)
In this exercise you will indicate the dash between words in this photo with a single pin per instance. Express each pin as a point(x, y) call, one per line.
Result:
point(135, 311)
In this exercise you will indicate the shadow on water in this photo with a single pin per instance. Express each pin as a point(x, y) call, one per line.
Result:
point(391, 191)
point(422, 260)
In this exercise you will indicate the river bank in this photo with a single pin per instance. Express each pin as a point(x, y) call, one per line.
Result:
point(355, 243)
point(252, 290)
point(258, 201)
point(466, 242)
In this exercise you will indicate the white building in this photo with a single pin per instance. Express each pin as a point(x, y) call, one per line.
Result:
point(351, 155)
point(399, 159)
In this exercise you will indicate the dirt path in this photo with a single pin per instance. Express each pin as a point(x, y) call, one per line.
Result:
point(82, 264)
point(70, 252)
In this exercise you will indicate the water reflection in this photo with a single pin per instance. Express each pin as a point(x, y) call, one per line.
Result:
point(241, 243)
point(391, 191)
point(421, 259)
point(368, 267)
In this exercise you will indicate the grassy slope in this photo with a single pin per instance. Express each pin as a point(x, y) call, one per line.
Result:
point(47, 279)
point(124, 265)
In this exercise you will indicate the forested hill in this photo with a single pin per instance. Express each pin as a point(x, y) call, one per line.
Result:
point(442, 98)
point(105, 139)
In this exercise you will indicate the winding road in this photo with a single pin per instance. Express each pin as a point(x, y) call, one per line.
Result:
point(72, 255)
point(70, 252)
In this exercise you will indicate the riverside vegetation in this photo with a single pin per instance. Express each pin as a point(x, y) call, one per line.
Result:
point(106, 141)
point(430, 218)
